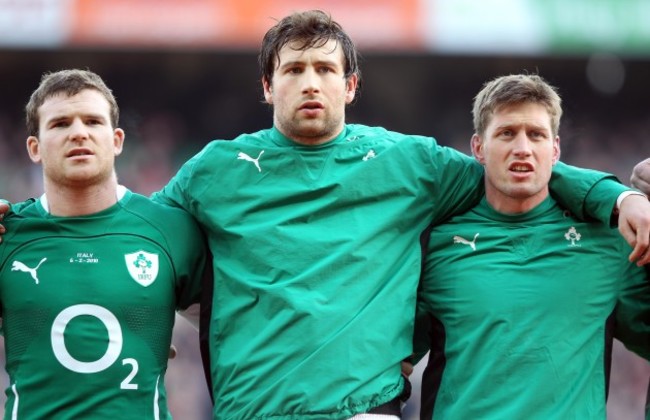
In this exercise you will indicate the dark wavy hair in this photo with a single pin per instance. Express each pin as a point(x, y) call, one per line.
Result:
point(310, 29)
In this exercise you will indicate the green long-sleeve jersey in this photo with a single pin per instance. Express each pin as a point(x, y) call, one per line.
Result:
point(317, 258)
point(522, 311)
point(88, 305)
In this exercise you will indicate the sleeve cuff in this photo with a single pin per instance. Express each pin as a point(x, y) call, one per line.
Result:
point(622, 196)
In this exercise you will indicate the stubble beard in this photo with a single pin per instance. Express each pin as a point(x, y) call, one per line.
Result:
point(81, 177)
point(312, 131)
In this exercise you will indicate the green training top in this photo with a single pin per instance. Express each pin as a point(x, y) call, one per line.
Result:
point(520, 311)
point(88, 306)
point(317, 258)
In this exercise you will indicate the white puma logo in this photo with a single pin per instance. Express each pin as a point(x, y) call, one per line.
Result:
point(461, 240)
point(371, 154)
point(18, 266)
point(256, 162)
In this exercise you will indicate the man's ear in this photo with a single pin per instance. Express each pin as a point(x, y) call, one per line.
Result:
point(33, 149)
point(477, 145)
point(556, 150)
point(118, 141)
point(268, 90)
point(351, 88)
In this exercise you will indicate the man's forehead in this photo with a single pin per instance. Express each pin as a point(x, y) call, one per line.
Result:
point(88, 101)
point(84, 95)
point(295, 51)
point(528, 110)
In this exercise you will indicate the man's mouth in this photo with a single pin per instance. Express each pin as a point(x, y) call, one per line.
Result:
point(79, 152)
point(311, 105)
point(521, 167)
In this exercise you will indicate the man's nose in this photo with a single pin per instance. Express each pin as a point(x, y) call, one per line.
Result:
point(78, 130)
point(311, 81)
point(522, 144)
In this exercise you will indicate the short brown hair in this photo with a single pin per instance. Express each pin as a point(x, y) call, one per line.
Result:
point(311, 29)
point(515, 89)
point(70, 82)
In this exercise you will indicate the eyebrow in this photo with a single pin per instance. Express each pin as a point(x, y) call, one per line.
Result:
point(67, 117)
point(527, 125)
point(303, 63)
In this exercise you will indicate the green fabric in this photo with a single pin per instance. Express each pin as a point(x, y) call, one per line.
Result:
point(317, 257)
point(316, 261)
point(88, 305)
point(588, 194)
point(519, 305)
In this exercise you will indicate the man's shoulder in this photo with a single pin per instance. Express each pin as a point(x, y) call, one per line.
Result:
point(24, 223)
point(154, 211)
point(258, 138)
point(172, 227)
point(378, 133)
point(370, 131)
point(23, 212)
point(25, 208)
point(219, 148)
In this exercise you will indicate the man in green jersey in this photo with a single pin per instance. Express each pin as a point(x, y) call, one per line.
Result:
point(90, 273)
point(315, 228)
point(521, 299)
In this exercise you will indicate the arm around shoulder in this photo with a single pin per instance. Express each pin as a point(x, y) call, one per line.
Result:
point(587, 193)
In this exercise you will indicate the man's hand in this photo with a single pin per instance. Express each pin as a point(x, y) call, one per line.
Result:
point(4, 208)
point(172, 352)
point(641, 176)
point(634, 225)
point(407, 368)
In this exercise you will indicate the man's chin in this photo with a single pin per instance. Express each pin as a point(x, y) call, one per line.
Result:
point(82, 178)
point(525, 192)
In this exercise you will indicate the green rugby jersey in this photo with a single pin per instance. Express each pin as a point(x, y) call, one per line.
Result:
point(317, 258)
point(88, 306)
point(523, 308)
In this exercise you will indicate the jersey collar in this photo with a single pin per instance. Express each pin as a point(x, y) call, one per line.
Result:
point(120, 193)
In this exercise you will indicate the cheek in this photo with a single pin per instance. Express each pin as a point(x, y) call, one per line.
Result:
point(43, 152)
point(276, 96)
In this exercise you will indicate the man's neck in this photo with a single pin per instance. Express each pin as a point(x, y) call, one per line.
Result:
point(512, 205)
point(72, 201)
point(306, 138)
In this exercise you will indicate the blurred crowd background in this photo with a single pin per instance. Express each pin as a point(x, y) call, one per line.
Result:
point(186, 73)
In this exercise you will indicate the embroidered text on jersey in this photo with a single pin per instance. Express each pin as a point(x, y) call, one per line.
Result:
point(18, 266)
point(461, 240)
point(573, 236)
point(84, 258)
point(142, 266)
point(371, 154)
point(255, 162)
